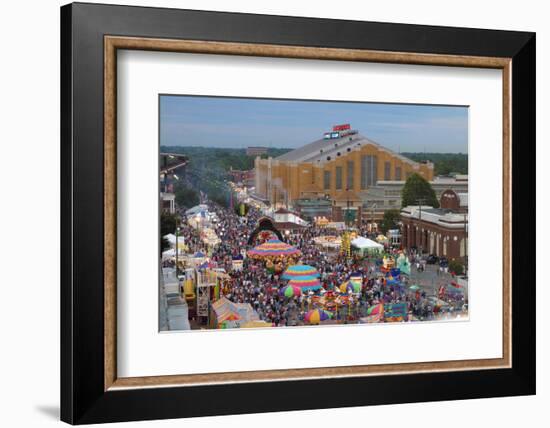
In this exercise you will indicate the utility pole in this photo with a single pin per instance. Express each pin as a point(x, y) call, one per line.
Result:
point(373, 206)
point(177, 249)
point(466, 244)
point(420, 201)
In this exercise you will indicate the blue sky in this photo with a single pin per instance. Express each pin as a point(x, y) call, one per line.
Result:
point(242, 122)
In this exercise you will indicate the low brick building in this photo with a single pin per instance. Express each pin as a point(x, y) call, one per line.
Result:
point(438, 231)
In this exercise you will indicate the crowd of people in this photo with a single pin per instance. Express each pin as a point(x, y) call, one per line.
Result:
point(260, 286)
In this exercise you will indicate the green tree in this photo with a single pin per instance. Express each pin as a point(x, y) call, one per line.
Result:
point(417, 190)
point(390, 220)
point(168, 224)
point(456, 267)
point(186, 196)
point(164, 245)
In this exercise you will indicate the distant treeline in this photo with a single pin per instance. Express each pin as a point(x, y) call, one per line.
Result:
point(220, 159)
point(208, 169)
point(444, 163)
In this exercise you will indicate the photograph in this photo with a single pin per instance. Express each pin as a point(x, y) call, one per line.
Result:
point(298, 213)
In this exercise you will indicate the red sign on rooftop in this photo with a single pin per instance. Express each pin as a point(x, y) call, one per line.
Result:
point(343, 127)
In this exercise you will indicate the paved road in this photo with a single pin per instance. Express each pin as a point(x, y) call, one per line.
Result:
point(430, 280)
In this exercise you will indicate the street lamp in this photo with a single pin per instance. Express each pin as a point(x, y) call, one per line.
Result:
point(372, 217)
point(177, 250)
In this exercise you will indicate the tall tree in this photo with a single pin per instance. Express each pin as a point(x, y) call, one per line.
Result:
point(417, 191)
point(390, 220)
point(168, 224)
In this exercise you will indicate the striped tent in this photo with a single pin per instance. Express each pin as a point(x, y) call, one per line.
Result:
point(306, 283)
point(273, 248)
point(298, 271)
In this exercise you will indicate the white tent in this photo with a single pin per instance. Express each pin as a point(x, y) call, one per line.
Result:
point(366, 244)
point(197, 209)
point(172, 253)
point(171, 238)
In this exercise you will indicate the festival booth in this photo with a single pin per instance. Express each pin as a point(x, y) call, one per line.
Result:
point(192, 261)
point(237, 263)
point(382, 239)
point(197, 216)
point(328, 242)
point(209, 237)
point(366, 246)
point(226, 314)
point(321, 221)
point(386, 264)
point(336, 225)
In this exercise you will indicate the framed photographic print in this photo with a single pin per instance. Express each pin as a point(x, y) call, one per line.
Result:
point(259, 207)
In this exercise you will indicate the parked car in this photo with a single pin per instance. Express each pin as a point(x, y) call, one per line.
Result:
point(432, 260)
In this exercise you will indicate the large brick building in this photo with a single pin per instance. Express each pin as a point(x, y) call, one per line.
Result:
point(442, 232)
point(337, 167)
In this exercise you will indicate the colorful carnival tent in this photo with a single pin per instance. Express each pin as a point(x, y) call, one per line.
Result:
point(290, 291)
point(350, 287)
point(225, 310)
point(306, 283)
point(299, 271)
point(272, 249)
point(315, 316)
point(374, 314)
point(226, 314)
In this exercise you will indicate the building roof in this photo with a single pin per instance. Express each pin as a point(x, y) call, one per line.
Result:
point(440, 216)
point(325, 150)
point(347, 195)
point(287, 225)
point(283, 211)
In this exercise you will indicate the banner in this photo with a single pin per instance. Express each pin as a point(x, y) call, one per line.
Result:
point(395, 312)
